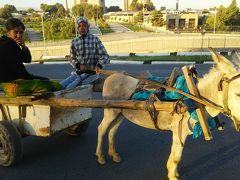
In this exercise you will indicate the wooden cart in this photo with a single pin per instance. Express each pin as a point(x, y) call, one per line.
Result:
point(23, 116)
point(70, 110)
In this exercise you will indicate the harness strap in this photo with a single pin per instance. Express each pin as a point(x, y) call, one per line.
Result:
point(152, 112)
point(180, 125)
point(225, 97)
point(224, 86)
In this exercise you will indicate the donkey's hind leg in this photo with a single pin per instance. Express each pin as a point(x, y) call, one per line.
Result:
point(178, 139)
point(111, 139)
point(109, 116)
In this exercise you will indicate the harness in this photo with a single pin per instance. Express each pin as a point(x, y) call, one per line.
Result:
point(223, 86)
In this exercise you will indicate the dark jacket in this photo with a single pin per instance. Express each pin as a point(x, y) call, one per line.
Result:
point(12, 58)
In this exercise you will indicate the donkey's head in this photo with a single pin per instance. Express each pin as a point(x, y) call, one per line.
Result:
point(230, 86)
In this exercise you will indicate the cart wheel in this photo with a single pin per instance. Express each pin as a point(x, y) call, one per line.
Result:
point(78, 129)
point(10, 144)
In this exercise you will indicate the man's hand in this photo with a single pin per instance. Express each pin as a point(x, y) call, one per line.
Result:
point(20, 42)
point(98, 70)
point(83, 67)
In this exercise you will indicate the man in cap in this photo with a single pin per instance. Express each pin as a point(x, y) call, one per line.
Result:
point(86, 52)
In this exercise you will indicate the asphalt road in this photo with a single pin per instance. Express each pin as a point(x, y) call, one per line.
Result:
point(116, 27)
point(144, 151)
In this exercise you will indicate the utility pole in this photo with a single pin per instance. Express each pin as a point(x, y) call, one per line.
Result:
point(66, 3)
point(43, 34)
point(214, 25)
point(143, 12)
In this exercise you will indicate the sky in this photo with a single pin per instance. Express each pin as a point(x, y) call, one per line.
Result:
point(169, 4)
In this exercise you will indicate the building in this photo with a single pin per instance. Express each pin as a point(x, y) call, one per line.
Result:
point(182, 21)
point(175, 20)
point(126, 5)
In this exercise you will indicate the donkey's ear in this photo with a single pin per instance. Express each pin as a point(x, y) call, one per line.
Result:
point(223, 63)
point(235, 58)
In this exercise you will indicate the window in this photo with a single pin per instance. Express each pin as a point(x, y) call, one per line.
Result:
point(171, 24)
point(181, 24)
point(191, 24)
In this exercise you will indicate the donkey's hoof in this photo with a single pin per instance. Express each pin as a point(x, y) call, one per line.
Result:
point(116, 158)
point(177, 175)
point(173, 178)
point(101, 160)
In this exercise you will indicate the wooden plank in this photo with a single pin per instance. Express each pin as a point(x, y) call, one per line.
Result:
point(124, 104)
point(16, 100)
point(200, 110)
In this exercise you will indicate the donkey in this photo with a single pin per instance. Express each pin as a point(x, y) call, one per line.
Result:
point(120, 87)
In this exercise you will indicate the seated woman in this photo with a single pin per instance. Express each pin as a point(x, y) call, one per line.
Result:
point(14, 53)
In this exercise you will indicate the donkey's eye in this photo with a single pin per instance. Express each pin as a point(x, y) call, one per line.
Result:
point(238, 94)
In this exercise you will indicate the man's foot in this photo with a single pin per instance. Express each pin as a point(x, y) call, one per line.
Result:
point(220, 126)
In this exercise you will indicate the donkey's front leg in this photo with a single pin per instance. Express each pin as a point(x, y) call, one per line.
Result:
point(176, 153)
point(102, 128)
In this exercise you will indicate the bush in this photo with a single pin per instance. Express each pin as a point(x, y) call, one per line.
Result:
point(2, 31)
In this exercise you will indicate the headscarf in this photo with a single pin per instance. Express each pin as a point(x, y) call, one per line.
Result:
point(82, 19)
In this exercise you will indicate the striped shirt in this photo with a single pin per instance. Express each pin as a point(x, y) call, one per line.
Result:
point(88, 50)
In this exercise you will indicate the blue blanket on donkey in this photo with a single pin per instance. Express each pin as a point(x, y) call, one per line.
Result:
point(167, 95)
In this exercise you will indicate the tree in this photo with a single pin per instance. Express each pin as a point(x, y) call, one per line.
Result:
point(97, 12)
point(5, 14)
point(30, 10)
point(139, 18)
point(6, 11)
point(113, 9)
point(60, 11)
point(135, 6)
point(59, 28)
point(221, 18)
point(10, 8)
point(224, 17)
point(55, 11)
point(232, 13)
point(149, 5)
point(78, 10)
point(157, 19)
point(209, 23)
point(44, 7)
point(205, 11)
point(88, 12)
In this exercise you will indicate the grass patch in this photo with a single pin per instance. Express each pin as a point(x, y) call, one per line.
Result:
point(105, 30)
point(135, 27)
point(148, 58)
point(163, 58)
